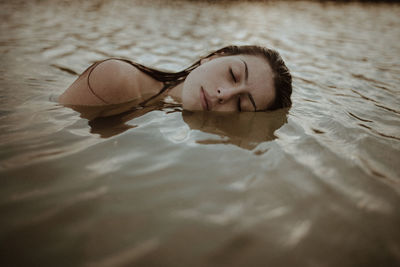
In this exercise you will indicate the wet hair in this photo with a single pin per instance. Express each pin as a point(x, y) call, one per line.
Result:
point(282, 78)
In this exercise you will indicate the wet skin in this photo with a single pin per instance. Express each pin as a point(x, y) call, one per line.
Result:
point(220, 83)
point(229, 83)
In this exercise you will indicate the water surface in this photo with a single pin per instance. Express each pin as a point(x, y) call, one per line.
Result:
point(316, 185)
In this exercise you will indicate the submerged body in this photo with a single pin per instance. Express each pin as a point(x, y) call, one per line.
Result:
point(222, 81)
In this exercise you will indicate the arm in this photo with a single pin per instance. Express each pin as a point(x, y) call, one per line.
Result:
point(111, 82)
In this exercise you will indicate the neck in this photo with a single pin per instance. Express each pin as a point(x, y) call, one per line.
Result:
point(176, 92)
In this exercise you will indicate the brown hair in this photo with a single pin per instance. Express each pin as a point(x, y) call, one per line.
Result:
point(282, 78)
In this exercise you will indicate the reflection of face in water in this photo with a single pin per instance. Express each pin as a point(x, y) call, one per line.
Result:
point(244, 129)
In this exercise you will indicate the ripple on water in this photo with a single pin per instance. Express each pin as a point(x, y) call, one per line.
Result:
point(138, 188)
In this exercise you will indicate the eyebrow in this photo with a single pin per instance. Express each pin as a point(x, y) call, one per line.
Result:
point(246, 70)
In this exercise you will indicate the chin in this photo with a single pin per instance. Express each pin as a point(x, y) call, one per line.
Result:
point(191, 105)
point(188, 103)
point(188, 107)
point(190, 97)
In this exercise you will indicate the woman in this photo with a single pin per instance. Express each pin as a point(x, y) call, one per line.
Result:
point(234, 78)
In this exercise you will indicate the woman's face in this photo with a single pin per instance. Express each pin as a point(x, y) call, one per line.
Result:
point(229, 83)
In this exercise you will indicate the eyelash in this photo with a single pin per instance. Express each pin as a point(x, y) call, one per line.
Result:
point(233, 75)
point(235, 80)
point(239, 108)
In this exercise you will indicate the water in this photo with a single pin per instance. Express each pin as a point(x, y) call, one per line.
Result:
point(316, 185)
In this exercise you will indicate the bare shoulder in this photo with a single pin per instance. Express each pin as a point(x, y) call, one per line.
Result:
point(112, 81)
point(115, 81)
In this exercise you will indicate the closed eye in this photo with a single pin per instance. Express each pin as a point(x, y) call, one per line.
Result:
point(233, 75)
point(238, 104)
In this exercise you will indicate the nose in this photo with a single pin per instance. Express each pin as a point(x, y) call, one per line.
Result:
point(225, 94)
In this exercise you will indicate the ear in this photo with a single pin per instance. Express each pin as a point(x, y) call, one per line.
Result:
point(205, 60)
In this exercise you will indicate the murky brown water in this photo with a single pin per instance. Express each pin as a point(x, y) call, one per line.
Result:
point(317, 185)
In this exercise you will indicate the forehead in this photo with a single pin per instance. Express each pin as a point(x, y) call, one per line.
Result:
point(260, 80)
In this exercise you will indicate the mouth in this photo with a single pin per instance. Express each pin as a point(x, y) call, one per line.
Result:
point(203, 99)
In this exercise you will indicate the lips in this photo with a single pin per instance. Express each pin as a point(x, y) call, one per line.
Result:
point(203, 99)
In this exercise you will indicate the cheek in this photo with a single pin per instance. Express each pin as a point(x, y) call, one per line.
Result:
point(191, 81)
point(189, 92)
point(188, 86)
